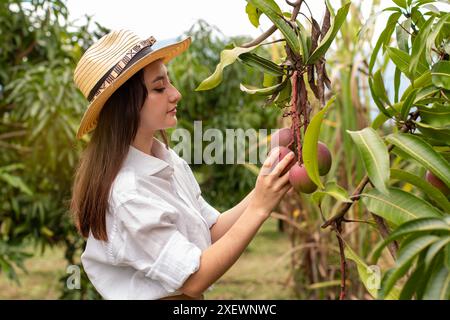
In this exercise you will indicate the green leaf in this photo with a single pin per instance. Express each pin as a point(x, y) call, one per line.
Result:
point(398, 206)
point(438, 287)
point(375, 156)
point(310, 144)
point(402, 60)
point(423, 81)
point(402, 32)
point(363, 271)
point(440, 133)
point(406, 256)
point(434, 250)
point(262, 91)
point(304, 41)
point(378, 101)
point(227, 57)
point(430, 190)
point(269, 80)
point(336, 24)
point(331, 189)
point(379, 120)
point(12, 167)
point(15, 182)
point(447, 256)
point(366, 275)
point(272, 5)
point(420, 43)
point(285, 93)
point(275, 15)
point(261, 64)
point(253, 14)
point(440, 74)
point(413, 283)
point(400, 3)
point(437, 115)
point(436, 30)
point(379, 88)
point(408, 104)
point(421, 225)
point(384, 38)
point(423, 152)
point(382, 117)
point(425, 93)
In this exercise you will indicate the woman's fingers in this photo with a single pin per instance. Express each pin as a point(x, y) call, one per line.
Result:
point(279, 168)
point(270, 160)
point(283, 184)
point(283, 180)
point(286, 188)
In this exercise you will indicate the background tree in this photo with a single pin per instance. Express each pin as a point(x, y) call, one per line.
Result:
point(40, 110)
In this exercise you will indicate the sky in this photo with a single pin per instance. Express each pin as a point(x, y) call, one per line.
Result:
point(168, 19)
point(171, 18)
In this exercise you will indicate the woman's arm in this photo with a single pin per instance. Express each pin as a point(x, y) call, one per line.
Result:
point(228, 218)
point(221, 255)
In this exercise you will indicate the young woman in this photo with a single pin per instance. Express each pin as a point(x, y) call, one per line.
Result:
point(150, 234)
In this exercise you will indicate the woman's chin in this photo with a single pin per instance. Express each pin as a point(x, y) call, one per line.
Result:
point(172, 122)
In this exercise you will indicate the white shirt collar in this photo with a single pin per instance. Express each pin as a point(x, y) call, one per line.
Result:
point(149, 165)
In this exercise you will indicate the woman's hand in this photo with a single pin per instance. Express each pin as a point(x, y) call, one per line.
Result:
point(271, 186)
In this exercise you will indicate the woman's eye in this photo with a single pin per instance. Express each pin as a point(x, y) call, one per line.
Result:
point(160, 90)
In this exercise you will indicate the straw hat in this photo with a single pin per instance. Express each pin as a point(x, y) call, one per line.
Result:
point(110, 62)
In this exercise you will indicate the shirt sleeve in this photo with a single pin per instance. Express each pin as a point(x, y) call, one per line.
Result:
point(152, 244)
point(209, 213)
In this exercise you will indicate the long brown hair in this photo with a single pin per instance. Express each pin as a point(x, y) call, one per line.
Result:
point(104, 155)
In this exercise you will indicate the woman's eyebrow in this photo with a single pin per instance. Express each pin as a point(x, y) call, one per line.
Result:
point(160, 78)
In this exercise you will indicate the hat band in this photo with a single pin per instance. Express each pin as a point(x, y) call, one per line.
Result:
point(129, 58)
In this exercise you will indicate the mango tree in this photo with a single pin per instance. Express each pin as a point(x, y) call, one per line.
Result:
point(404, 150)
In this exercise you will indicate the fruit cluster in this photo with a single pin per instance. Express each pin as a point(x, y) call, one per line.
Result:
point(298, 177)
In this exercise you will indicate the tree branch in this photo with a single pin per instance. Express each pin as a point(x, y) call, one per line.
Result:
point(384, 230)
point(261, 38)
point(273, 28)
point(293, 223)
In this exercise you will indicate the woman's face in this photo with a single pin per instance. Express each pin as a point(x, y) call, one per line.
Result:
point(159, 109)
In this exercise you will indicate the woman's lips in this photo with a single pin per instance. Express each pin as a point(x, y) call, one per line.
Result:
point(174, 110)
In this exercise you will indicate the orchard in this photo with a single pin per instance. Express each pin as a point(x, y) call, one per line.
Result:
point(360, 93)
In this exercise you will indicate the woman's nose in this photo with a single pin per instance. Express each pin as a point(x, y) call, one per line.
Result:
point(175, 95)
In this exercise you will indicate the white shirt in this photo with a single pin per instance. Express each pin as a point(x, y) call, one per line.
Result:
point(157, 224)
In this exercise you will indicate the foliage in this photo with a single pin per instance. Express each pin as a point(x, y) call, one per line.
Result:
point(420, 57)
point(39, 109)
point(417, 130)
